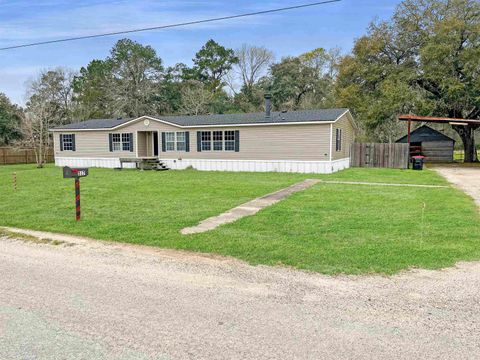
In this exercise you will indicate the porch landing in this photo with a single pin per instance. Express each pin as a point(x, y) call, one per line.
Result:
point(145, 163)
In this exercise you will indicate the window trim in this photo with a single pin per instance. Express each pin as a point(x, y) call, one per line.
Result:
point(117, 142)
point(231, 141)
point(184, 142)
point(70, 142)
point(209, 141)
point(170, 141)
point(218, 141)
point(175, 140)
point(124, 142)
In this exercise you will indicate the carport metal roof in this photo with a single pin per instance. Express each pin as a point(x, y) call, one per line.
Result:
point(437, 119)
point(433, 119)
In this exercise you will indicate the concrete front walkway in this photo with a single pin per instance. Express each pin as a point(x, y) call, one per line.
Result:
point(249, 208)
point(252, 207)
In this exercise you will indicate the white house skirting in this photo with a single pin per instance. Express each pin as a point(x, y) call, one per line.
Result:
point(292, 166)
point(91, 162)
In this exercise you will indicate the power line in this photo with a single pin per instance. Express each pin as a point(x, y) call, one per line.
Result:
point(170, 25)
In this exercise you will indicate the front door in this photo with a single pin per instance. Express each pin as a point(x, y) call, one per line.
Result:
point(155, 143)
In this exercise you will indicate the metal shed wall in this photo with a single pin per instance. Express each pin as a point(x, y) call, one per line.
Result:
point(438, 151)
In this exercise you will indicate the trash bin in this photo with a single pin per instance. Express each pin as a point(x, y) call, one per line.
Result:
point(417, 162)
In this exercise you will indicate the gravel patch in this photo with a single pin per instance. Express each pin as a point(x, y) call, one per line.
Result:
point(466, 178)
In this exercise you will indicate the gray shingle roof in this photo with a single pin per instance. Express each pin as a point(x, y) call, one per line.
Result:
point(94, 124)
point(425, 133)
point(223, 119)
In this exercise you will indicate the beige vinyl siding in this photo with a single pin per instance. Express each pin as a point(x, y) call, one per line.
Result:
point(277, 142)
point(348, 137)
point(91, 144)
point(141, 144)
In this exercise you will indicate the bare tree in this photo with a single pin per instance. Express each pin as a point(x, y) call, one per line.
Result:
point(35, 135)
point(253, 63)
point(54, 89)
point(195, 98)
point(49, 105)
point(231, 82)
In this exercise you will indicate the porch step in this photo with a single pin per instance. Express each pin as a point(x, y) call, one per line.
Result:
point(154, 164)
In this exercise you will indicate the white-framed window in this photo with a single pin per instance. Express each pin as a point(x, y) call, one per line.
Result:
point(180, 141)
point(206, 140)
point(218, 140)
point(67, 141)
point(229, 140)
point(338, 139)
point(121, 141)
point(175, 141)
point(116, 142)
point(126, 141)
point(170, 141)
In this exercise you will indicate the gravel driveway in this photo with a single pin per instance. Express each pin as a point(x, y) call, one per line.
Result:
point(466, 178)
point(93, 300)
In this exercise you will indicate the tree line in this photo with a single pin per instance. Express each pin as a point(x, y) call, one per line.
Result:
point(423, 60)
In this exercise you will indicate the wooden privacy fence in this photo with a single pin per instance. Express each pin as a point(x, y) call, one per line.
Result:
point(10, 156)
point(379, 155)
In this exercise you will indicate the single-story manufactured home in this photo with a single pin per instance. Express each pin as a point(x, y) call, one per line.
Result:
point(308, 141)
point(428, 142)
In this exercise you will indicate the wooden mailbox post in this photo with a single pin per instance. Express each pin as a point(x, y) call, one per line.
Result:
point(76, 173)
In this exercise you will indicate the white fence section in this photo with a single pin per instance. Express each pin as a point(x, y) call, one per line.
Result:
point(291, 166)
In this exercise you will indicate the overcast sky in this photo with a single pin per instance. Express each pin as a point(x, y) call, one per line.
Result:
point(288, 33)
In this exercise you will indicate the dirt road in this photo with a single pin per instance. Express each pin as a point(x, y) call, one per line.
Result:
point(92, 300)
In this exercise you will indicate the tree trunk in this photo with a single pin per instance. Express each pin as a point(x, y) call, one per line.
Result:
point(467, 134)
point(40, 148)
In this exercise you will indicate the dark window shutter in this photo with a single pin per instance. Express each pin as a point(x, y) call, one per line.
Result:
point(131, 142)
point(199, 141)
point(61, 142)
point(73, 143)
point(237, 141)
point(187, 141)
point(110, 141)
point(164, 144)
point(336, 139)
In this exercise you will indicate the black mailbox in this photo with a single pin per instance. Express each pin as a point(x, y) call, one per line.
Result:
point(69, 173)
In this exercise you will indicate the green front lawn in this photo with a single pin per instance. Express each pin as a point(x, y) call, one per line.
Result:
point(328, 228)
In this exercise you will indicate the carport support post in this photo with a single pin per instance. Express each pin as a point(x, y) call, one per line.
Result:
point(77, 199)
point(409, 146)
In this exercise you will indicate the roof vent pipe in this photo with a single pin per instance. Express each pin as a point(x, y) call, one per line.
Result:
point(268, 105)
